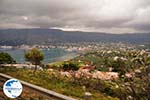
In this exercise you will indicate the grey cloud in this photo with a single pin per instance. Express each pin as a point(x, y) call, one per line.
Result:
point(143, 26)
point(80, 14)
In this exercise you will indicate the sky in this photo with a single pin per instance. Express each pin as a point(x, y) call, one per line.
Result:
point(113, 16)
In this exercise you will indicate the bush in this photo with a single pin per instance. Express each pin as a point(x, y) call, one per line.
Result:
point(5, 58)
point(70, 66)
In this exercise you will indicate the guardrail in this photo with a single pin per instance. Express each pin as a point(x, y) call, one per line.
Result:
point(44, 91)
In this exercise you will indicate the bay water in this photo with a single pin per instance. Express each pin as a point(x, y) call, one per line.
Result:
point(50, 55)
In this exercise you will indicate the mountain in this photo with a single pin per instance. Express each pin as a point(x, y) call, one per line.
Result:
point(46, 36)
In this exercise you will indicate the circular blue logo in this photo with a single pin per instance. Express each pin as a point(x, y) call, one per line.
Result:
point(12, 88)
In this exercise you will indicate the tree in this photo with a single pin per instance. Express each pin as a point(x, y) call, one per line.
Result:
point(5, 58)
point(34, 56)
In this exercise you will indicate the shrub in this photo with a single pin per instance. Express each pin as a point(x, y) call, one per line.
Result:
point(5, 58)
point(70, 66)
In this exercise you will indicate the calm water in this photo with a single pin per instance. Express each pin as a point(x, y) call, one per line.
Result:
point(50, 55)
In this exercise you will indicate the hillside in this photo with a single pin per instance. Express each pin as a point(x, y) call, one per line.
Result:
point(46, 36)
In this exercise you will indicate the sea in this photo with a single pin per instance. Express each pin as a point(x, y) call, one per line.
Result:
point(50, 55)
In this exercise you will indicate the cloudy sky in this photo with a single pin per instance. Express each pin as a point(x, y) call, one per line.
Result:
point(115, 16)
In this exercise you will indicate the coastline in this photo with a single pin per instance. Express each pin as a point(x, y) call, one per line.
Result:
point(52, 55)
point(58, 59)
point(64, 58)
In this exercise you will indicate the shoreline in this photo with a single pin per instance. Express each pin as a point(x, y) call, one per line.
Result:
point(65, 57)
point(50, 56)
point(58, 59)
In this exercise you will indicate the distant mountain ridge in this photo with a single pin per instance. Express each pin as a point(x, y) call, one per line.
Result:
point(46, 36)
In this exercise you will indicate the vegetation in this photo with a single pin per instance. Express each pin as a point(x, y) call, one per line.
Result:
point(54, 81)
point(137, 87)
point(5, 58)
point(133, 67)
point(133, 83)
point(35, 57)
point(70, 66)
point(118, 60)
